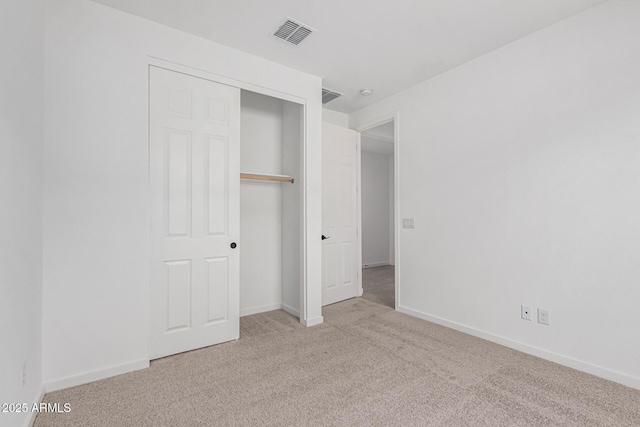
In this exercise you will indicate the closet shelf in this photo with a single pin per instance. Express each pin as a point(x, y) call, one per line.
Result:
point(266, 177)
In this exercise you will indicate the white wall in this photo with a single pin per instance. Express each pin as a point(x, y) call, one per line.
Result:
point(260, 204)
point(375, 208)
point(335, 117)
point(522, 169)
point(291, 207)
point(21, 106)
point(96, 218)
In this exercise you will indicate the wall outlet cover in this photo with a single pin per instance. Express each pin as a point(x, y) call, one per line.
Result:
point(543, 316)
point(525, 312)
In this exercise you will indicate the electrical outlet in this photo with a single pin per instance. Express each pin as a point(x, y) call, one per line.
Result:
point(24, 374)
point(543, 316)
point(525, 312)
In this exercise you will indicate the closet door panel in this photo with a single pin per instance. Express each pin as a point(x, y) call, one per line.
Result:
point(194, 181)
point(217, 270)
point(178, 288)
point(177, 185)
point(217, 188)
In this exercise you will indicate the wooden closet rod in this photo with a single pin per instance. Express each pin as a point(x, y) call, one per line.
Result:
point(266, 177)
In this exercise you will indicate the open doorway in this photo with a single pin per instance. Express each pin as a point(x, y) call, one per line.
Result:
point(377, 177)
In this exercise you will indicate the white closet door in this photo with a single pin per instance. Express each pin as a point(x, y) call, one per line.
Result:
point(194, 177)
point(339, 214)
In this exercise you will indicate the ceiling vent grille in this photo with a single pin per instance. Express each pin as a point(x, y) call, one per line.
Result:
point(293, 32)
point(329, 95)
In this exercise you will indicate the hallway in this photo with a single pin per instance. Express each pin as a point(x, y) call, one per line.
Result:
point(378, 284)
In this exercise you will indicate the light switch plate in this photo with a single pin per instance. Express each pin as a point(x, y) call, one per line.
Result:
point(407, 223)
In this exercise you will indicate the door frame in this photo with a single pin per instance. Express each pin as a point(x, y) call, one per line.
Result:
point(395, 118)
point(152, 61)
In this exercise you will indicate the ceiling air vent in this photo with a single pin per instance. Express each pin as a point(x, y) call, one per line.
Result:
point(329, 95)
point(293, 32)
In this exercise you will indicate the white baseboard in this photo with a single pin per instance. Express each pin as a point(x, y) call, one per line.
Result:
point(261, 309)
point(376, 264)
point(560, 359)
point(312, 322)
point(98, 374)
point(290, 310)
point(32, 415)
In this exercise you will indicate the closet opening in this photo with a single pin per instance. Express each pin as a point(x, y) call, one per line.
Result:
point(226, 185)
point(270, 204)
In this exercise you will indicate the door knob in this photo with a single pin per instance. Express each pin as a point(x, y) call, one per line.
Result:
point(233, 245)
point(325, 237)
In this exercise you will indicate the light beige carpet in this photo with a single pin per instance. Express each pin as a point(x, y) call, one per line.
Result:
point(367, 365)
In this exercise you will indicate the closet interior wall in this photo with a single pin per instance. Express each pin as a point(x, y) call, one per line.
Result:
point(270, 212)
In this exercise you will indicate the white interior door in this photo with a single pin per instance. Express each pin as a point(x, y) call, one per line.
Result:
point(195, 183)
point(340, 269)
